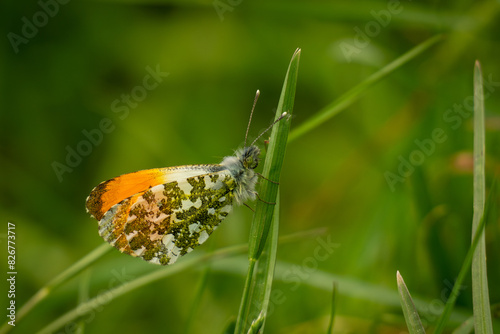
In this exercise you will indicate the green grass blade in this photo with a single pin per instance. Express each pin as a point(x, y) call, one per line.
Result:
point(332, 312)
point(353, 94)
point(268, 190)
point(259, 301)
point(242, 319)
point(257, 324)
point(480, 295)
point(298, 236)
point(274, 160)
point(66, 275)
point(409, 310)
point(479, 288)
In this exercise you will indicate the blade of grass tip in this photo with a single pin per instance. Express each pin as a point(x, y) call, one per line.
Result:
point(274, 161)
point(480, 295)
point(255, 327)
point(354, 93)
point(72, 271)
point(107, 296)
point(332, 313)
point(261, 292)
point(466, 264)
point(409, 310)
point(268, 190)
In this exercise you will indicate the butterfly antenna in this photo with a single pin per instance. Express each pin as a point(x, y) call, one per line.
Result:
point(251, 114)
point(283, 115)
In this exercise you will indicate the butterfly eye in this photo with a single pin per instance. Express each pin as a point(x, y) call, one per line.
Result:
point(250, 162)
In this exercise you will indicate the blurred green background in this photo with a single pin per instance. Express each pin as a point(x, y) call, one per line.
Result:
point(68, 67)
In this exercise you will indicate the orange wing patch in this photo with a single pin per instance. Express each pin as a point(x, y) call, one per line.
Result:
point(113, 191)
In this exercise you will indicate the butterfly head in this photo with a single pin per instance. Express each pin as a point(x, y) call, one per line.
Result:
point(250, 157)
point(241, 166)
point(243, 162)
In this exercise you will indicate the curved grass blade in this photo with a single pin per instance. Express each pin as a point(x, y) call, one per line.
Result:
point(409, 310)
point(354, 93)
point(332, 313)
point(108, 296)
point(268, 191)
point(65, 276)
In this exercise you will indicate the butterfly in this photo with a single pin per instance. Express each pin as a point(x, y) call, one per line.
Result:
point(163, 213)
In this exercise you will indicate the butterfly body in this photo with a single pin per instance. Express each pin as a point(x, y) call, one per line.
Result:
point(162, 214)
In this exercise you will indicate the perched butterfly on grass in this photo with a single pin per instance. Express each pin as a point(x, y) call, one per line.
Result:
point(161, 214)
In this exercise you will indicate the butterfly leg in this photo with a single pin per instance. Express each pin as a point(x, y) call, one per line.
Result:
point(248, 206)
point(260, 199)
point(265, 178)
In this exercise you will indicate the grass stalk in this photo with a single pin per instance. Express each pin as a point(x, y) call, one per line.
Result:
point(475, 255)
point(480, 294)
point(264, 277)
point(65, 276)
point(268, 191)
